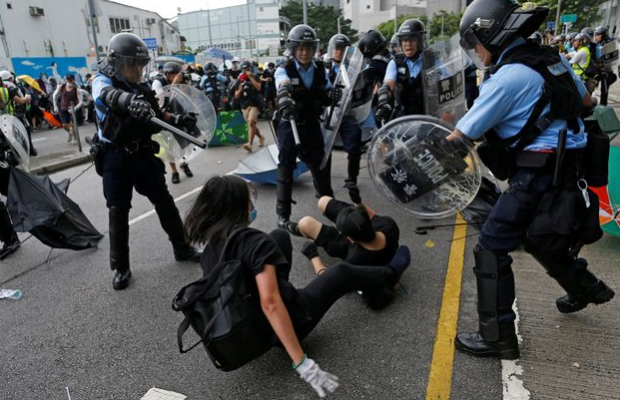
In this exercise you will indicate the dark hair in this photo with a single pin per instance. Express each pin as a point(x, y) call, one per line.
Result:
point(355, 223)
point(221, 205)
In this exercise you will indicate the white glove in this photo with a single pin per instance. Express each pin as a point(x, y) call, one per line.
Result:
point(320, 380)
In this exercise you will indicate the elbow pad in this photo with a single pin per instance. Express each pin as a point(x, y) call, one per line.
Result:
point(116, 99)
point(384, 96)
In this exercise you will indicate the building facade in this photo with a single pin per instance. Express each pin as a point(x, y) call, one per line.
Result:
point(610, 16)
point(35, 34)
point(436, 7)
point(368, 14)
point(247, 31)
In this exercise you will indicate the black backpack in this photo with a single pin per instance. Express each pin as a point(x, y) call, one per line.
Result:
point(224, 309)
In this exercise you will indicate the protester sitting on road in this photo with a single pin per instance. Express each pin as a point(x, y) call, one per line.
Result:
point(225, 205)
point(360, 237)
point(65, 96)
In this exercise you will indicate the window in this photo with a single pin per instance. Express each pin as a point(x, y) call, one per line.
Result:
point(117, 25)
point(9, 6)
point(96, 24)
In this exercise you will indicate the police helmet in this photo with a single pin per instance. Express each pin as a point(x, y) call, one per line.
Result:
point(571, 36)
point(339, 41)
point(394, 44)
point(246, 65)
point(371, 43)
point(127, 56)
point(582, 37)
point(495, 23)
point(558, 40)
point(210, 68)
point(412, 29)
point(302, 35)
point(588, 31)
point(603, 31)
point(172, 68)
point(536, 37)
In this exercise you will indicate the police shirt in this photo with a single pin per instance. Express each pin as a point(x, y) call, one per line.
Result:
point(209, 88)
point(306, 74)
point(414, 67)
point(506, 101)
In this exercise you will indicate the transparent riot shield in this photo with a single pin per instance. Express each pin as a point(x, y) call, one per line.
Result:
point(350, 68)
point(415, 167)
point(443, 80)
point(610, 56)
point(17, 136)
point(184, 99)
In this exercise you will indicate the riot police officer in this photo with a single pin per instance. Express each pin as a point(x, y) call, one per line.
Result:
point(522, 123)
point(405, 70)
point(8, 236)
point(373, 46)
point(394, 46)
point(303, 91)
point(125, 156)
point(211, 82)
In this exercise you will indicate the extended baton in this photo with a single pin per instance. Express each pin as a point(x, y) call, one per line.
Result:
point(178, 132)
point(295, 132)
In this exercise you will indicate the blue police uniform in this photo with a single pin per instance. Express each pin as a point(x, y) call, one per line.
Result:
point(309, 91)
point(407, 74)
point(506, 101)
point(126, 160)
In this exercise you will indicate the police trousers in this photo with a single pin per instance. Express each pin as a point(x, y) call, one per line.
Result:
point(141, 169)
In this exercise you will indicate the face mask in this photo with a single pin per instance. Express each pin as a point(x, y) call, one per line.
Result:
point(253, 214)
point(69, 85)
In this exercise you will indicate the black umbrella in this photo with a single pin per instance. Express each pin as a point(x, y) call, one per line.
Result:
point(37, 205)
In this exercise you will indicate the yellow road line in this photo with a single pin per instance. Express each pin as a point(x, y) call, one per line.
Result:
point(440, 376)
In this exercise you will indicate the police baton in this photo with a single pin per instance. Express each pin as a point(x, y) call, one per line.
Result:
point(179, 132)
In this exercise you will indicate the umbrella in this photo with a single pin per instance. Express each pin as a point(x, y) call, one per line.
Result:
point(231, 129)
point(31, 82)
point(609, 196)
point(262, 166)
point(51, 120)
point(39, 206)
point(217, 53)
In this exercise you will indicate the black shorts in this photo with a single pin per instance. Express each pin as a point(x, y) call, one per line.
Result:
point(335, 243)
point(65, 117)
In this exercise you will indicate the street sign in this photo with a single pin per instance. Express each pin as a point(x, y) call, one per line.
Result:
point(568, 18)
point(551, 25)
point(151, 43)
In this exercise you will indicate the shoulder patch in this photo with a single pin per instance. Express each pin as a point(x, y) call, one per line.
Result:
point(557, 69)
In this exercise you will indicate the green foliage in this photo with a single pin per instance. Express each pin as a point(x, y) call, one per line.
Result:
point(434, 29)
point(586, 10)
point(322, 18)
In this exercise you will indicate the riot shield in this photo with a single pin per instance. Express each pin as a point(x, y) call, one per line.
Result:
point(361, 98)
point(350, 68)
point(610, 56)
point(414, 166)
point(17, 136)
point(443, 80)
point(183, 99)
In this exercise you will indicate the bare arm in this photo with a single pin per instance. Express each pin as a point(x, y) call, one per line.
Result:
point(276, 312)
point(455, 135)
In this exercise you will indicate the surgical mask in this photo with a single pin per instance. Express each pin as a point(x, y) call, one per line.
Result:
point(70, 85)
point(253, 214)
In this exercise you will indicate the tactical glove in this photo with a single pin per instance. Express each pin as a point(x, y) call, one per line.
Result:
point(140, 109)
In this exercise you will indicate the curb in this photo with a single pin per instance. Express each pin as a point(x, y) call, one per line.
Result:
point(62, 165)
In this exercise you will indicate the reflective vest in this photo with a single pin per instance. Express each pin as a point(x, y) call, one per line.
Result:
point(6, 103)
point(580, 69)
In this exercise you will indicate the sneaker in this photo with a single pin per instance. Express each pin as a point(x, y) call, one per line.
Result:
point(175, 177)
point(261, 141)
point(187, 253)
point(70, 138)
point(188, 172)
point(248, 147)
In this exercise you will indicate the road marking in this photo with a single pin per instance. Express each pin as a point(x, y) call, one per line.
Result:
point(512, 386)
point(38, 140)
point(149, 213)
point(440, 376)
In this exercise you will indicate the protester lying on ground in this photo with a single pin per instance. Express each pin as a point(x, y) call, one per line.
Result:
point(225, 206)
point(360, 237)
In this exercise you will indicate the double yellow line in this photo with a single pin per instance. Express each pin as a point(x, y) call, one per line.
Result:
point(440, 376)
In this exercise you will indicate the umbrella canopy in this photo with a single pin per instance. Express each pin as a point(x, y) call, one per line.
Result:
point(217, 53)
point(609, 196)
point(231, 129)
point(31, 82)
point(39, 206)
point(262, 166)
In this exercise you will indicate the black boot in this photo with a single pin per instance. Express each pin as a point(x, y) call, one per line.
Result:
point(322, 180)
point(353, 168)
point(8, 236)
point(494, 338)
point(571, 273)
point(284, 195)
point(119, 246)
point(170, 220)
point(505, 347)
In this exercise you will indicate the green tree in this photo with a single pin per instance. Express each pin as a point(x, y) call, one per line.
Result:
point(587, 12)
point(324, 20)
point(442, 26)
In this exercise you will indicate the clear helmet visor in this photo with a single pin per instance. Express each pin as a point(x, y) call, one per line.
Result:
point(132, 69)
point(469, 42)
point(300, 50)
point(336, 52)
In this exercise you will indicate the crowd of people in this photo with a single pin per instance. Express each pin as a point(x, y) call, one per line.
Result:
point(512, 112)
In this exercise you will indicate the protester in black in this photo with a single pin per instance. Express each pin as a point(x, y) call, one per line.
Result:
point(226, 205)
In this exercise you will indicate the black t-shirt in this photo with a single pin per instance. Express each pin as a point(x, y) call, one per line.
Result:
point(358, 255)
point(254, 249)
